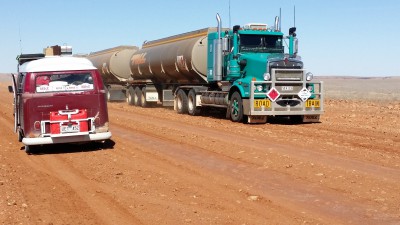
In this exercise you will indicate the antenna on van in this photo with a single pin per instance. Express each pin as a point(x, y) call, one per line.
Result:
point(20, 41)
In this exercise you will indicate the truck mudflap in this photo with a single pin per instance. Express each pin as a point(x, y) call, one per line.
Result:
point(309, 105)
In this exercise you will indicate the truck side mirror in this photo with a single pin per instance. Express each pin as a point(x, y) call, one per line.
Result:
point(292, 31)
point(10, 89)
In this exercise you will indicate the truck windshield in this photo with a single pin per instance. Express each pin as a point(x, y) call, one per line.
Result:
point(261, 43)
point(64, 82)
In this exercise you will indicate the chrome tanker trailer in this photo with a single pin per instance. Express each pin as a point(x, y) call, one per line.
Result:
point(244, 70)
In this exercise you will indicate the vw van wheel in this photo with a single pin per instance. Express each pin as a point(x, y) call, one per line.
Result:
point(20, 135)
point(181, 102)
point(236, 107)
point(29, 149)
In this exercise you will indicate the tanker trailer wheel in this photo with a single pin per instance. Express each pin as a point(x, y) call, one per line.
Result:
point(137, 96)
point(145, 103)
point(108, 93)
point(236, 107)
point(192, 109)
point(181, 102)
point(143, 98)
point(130, 98)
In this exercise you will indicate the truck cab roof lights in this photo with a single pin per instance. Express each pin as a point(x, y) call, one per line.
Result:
point(255, 26)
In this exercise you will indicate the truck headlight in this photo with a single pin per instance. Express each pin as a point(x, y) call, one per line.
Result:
point(309, 76)
point(267, 76)
point(259, 88)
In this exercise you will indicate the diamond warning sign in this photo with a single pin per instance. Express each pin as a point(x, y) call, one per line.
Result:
point(304, 94)
point(273, 94)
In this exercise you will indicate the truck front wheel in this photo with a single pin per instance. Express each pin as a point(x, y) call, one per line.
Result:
point(236, 107)
point(181, 102)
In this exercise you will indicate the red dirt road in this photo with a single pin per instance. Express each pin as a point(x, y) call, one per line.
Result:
point(165, 168)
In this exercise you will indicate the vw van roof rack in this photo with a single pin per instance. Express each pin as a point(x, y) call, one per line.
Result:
point(23, 58)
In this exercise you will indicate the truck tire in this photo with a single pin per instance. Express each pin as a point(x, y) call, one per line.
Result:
point(181, 102)
point(236, 107)
point(108, 93)
point(296, 119)
point(130, 99)
point(143, 97)
point(192, 109)
point(138, 96)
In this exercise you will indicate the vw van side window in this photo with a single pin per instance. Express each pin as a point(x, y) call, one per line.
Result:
point(64, 82)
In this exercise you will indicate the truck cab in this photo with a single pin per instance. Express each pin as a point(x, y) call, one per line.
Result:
point(58, 99)
point(261, 79)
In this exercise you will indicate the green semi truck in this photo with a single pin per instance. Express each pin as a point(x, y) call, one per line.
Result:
point(244, 70)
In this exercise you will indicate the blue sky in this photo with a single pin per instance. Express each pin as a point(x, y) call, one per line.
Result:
point(336, 37)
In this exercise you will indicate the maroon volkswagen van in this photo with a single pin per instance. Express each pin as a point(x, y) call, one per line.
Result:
point(59, 99)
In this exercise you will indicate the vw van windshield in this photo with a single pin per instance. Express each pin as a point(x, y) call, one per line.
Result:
point(64, 82)
point(261, 43)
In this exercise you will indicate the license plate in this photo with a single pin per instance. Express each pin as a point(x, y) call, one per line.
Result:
point(263, 102)
point(313, 103)
point(70, 129)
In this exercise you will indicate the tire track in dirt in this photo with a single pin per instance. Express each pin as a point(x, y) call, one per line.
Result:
point(261, 142)
point(318, 201)
point(98, 197)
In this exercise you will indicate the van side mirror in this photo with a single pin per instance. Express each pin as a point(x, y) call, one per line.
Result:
point(10, 89)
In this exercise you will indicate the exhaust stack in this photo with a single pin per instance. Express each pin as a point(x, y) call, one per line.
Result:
point(217, 70)
point(277, 24)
